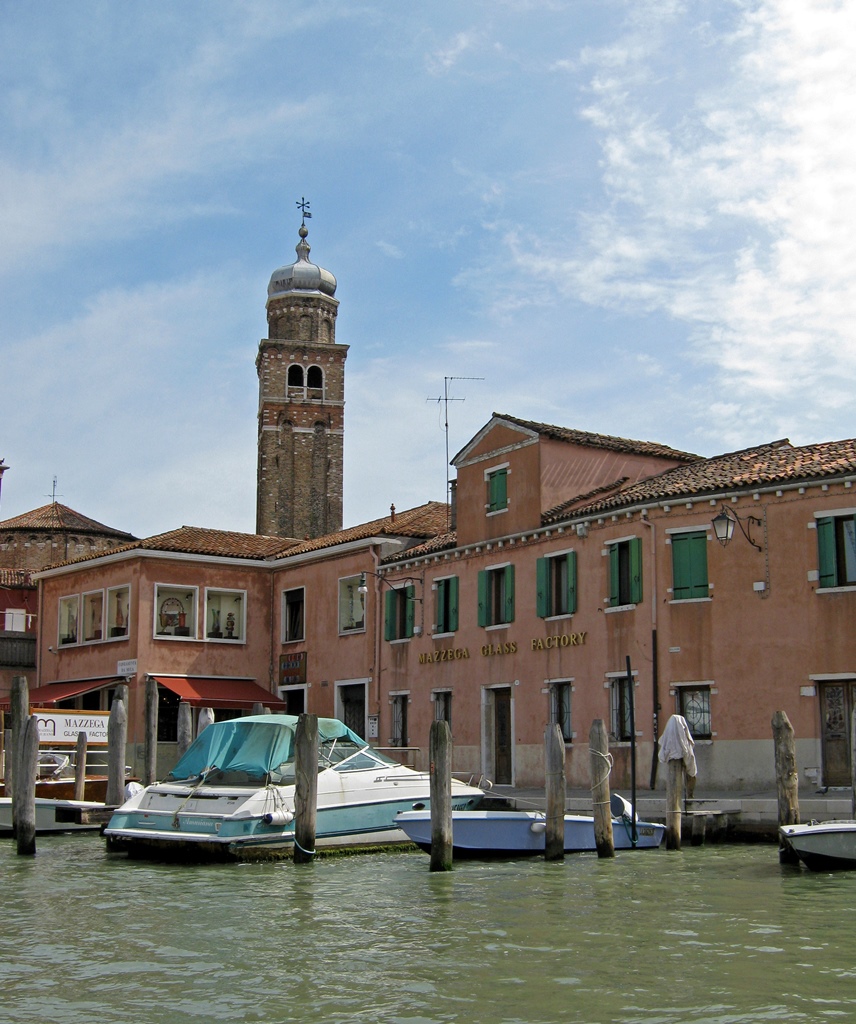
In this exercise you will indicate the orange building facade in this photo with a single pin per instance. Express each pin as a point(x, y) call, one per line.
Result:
point(572, 557)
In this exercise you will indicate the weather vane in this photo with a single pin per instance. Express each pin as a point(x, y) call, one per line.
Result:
point(303, 206)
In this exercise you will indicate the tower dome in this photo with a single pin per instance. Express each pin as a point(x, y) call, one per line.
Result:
point(301, 276)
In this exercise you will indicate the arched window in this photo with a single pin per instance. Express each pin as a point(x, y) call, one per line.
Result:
point(315, 380)
point(295, 376)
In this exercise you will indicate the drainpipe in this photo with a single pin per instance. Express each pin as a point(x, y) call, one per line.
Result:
point(377, 624)
point(655, 666)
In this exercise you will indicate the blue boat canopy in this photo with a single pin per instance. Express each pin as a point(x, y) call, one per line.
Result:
point(259, 745)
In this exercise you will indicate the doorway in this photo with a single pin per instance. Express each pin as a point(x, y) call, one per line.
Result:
point(351, 706)
point(836, 707)
point(498, 735)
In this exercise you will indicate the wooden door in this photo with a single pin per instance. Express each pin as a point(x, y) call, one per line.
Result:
point(836, 705)
point(502, 738)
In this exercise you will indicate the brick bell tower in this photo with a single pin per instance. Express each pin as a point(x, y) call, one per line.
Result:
point(301, 402)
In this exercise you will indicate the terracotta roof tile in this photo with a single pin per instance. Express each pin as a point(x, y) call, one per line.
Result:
point(617, 444)
point(766, 465)
point(197, 540)
point(16, 578)
point(55, 517)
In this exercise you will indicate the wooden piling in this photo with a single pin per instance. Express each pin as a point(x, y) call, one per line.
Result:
point(19, 712)
point(185, 728)
point(554, 757)
point(699, 826)
point(440, 758)
point(787, 780)
point(204, 719)
point(117, 740)
point(80, 766)
point(150, 766)
point(27, 769)
point(306, 788)
point(674, 796)
point(601, 765)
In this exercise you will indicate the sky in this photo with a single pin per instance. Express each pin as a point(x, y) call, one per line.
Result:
point(632, 217)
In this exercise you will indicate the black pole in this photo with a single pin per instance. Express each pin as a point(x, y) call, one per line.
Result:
point(655, 679)
point(630, 689)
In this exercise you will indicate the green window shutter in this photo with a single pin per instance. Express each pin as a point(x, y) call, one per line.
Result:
point(698, 565)
point(409, 609)
point(542, 584)
point(681, 576)
point(635, 570)
point(572, 582)
point(482, 597)
point(498, 490)
point(389, 616)
point(509, 594)
point(613, 575)
point(452, 624)
point(826, 551)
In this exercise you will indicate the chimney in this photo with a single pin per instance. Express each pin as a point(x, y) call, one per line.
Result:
point(453, 505)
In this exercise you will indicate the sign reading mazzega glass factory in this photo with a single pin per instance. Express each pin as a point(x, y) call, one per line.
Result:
point(537, 643)
point(64, 726)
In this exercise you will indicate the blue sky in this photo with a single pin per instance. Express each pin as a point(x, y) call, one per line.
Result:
point(636, 218)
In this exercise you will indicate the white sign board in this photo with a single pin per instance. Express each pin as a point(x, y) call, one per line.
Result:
point(57, 727)
point(126, 668)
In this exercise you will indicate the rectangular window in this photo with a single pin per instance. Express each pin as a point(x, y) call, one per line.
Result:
point(689, 566)
point(399, 720)
point(560, 708)
point(496, 596)
point(446, 605)
point(118, 611)
point(694, 705)
point(69, 614)
point(497, 490)
point(836, 550)
point(93, 616)
point(292, 615)
point(625, 572)
point(225, 614)
point(16, 620)
point(620, 694)
point(443, 706)
point(175, 611)
point(398, 619)
point(556, 585)
point(352, 605)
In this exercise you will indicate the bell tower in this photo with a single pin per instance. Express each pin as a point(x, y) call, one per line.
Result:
point(301, 402)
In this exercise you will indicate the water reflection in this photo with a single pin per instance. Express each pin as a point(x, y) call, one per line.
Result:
point(714, 934)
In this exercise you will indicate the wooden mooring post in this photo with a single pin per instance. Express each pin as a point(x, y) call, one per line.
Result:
point(184, 729)
point(787, 780)
point(80, 766)
point(555, 791)
point(440, 784)
point(117, 741)
point(601, 765)
point(674, 796)
point(19, 712)
point(204, 719)
point(306, 788)
point(27, 770)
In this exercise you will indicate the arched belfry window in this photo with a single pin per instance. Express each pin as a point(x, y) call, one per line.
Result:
point(295, 376)
point(315, 381)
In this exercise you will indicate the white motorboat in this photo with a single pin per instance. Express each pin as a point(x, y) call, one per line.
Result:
point(56, 815)
point(500, 833)
point(231, 796)
point(822, 845)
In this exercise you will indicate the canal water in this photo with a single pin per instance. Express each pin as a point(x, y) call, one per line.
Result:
point(720, 934)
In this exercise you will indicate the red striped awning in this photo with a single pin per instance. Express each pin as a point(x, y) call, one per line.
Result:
point(51, 693)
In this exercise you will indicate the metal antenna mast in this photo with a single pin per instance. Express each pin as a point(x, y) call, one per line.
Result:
point(444, 398)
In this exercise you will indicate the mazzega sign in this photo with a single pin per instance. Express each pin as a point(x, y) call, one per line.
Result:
point(64, 726)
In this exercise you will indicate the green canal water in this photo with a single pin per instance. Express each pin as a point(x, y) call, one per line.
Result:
point(719, 934)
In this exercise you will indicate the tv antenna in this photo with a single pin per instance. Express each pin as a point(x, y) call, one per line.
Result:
point(445, 399)
point(52, 495)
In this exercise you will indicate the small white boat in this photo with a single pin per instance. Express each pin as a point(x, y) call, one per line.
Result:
point(495, 833)
point(55, 815)
point(232, 795)
point(822, 845)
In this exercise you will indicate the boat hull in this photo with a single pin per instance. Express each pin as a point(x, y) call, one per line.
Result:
point(487, 833)
point(824, 845)
point(53, 815)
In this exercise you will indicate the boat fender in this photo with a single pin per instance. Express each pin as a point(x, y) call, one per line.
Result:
point(278, 817)
point(538, 827)
point(419, 806)
point(621, 808)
